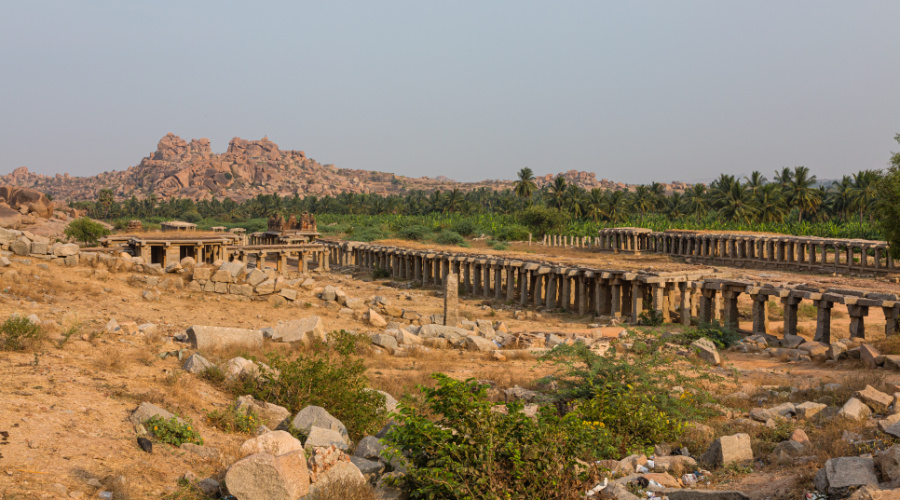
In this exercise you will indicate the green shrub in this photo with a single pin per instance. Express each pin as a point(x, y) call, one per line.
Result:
point(414, 233)
point(18, 333)
point(448, 237)
point(367, 234)
point(86, 231)
point(380, 273)
point(724, 337)
point(616, 387)
point(498, 245)
point(651, 317)
point(173, 431)
point(458, 447)
point(542, 220)
point(512, 232)
point(234, 420)
point(327, 374)
point(464, 227)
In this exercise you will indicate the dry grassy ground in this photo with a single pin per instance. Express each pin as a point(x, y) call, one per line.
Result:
point(65, 405)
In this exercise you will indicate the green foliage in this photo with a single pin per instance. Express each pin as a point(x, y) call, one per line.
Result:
point(543, 220)
point(888, 206)
point(234, 420)
point(651, 317)
point(327, 374)
point(448, 237)
point(458, 447)
point(214, 375)
point(414, 233)
point(511, 232)
point(614, 387)
point(18, 333)
point(724, 337)
point(498, 245)
point(380, 273)
point(86, 231)
point(368, 234)
point(173, 431)
point(464, 227)
point(192, 216)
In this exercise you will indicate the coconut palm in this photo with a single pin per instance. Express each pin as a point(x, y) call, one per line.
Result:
point(801, 193)
point(737, 205)
point(755, 181)
point(770, 203)
point(556, 192)
point(864, 192)
point(616, 206)
point(840, 196)
point(525, 186)
point(643, 200)
point(696, 200)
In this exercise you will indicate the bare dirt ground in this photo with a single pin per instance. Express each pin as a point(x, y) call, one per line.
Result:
point(65, 405)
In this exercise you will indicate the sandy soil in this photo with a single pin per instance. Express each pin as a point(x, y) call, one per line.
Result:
point(66, 406)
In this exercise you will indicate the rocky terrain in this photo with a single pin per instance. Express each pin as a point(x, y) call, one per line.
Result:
point(191, 170)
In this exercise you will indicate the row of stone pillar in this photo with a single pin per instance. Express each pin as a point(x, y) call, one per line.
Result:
point(555, 240)
point(318, 257)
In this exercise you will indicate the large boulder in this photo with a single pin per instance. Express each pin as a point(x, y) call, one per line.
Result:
point(341, 473)
point(888, 463)
point(842, 475)
point(323, 438)
point(268, 477)
point(727, 450)
point(305, 330)
point(146, 411)
point(271, 415)
point(707, 351)
point(385, 341)
point(19, 198)
point(275, 443)
point(854, 409)
point(476, 343)
point(316, 416)
point(369, 448)
point(197, 364)
point(211, 337)
point(878, 401)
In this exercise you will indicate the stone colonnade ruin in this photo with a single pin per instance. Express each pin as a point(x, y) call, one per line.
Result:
point(680, 297)
point(798, 253)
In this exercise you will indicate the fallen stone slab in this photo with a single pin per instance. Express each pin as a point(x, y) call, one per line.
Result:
point(481, 344)
point(686, 494)
point(727, 450)
point(854, 409)
point(875, 399)
point(707, 351)
point(197, 364)
point(266, 477)
point(270, 414)
point(211, 337)
point(841, 475)
point(317, 416)
point(304, 330)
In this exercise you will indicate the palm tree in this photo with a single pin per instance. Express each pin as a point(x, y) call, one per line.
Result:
point(454, 200)
point(556, 191)
point(574, 199)
point(616, 206)
point(841, 196)
point(783, 178)
point(659, 195)
point(864, 192)
point(595, 204)
point(643, 200)
point(737, 204)
point(801, 192)
point(674, 205)
point(696, 200)
point(755, 181)
point(770, 203)
point(525, 186)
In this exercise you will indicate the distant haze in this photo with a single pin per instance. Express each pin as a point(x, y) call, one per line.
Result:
point(634, 91)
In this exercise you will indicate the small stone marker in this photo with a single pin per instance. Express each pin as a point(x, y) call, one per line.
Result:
point(451, 300)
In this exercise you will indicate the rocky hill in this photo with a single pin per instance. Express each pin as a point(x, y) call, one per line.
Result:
point(191, 170)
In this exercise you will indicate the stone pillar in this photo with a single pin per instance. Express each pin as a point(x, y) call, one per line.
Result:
point(538, 288)
point(707, 305)
point(790, 304)
point(823, 321)
point(551, 290)
point(451, 300)
point(615, 298)
point(580, 296)
point(498, 281)
point(417, 268)
point(730, 297)
point(637, 300)
point(476, 275)
point(565, 292)
point(686, 298)
point(281, 263)
point(486, 282)
point(524, 280)
point(890, 320)
point(858, 320)
point(604, 297)
point(510, 283)
point(760, 313)
point(658, 292)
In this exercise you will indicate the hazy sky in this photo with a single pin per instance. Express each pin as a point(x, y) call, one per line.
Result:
point(634, 91)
